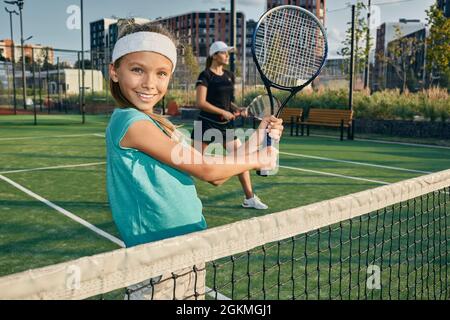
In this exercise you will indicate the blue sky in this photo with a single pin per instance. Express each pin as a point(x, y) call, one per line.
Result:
point(46, 20)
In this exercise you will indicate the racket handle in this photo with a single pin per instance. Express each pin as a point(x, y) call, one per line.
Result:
point(265, 173)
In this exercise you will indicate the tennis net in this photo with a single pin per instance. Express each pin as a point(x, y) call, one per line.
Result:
point(389, 242)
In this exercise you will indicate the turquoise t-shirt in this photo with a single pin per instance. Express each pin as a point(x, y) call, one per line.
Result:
point(149, 200)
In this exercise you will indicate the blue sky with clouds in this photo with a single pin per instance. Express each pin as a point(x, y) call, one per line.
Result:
point(46, 20)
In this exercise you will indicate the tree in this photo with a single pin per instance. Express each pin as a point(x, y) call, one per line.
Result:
point(43, 58)
point(191, 63)
point(360, 48)
point(401, 56)
point(27, 60)
point(438, 46)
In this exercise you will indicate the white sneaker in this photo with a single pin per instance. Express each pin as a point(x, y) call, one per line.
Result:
point(254, 202)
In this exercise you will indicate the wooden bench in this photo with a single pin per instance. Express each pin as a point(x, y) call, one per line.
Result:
point(330, 118)
point(290, 116)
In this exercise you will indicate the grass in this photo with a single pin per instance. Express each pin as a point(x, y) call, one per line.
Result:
point(34, 235)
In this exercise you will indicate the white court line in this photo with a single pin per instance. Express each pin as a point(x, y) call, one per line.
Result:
point(325, 173)
point(354, 162)
point(286, 167)
point(55, 167)
point(39, 137)
point(65, 212)
point(335, 175)
point(390, 142)
point(101, 135)
point(406, 144)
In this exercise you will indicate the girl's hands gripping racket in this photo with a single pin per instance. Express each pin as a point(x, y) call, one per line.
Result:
point(289, 49)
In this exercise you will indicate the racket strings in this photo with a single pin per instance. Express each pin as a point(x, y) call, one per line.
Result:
point(260, 106)
point(290, 47)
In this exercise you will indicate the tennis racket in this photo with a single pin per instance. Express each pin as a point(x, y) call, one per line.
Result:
point(289, 49)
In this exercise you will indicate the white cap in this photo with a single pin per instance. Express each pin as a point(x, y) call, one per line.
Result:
point(219, 46)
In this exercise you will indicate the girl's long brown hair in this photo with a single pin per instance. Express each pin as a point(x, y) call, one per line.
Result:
point(129, 27)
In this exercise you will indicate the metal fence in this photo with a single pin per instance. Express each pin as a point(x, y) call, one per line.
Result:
point(49, 81)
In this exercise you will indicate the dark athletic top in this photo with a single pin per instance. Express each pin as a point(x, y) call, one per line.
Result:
point(220, 92)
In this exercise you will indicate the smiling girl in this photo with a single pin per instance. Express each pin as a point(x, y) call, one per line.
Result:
point(152, 195)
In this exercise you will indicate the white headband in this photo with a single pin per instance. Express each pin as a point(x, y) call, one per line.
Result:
point(146, 41)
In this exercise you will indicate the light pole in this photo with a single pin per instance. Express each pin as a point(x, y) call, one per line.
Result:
point(367, 66)
point(352, 60)
point(233, 35)
point(82, 65)
point(19, 4)
point(13, 56)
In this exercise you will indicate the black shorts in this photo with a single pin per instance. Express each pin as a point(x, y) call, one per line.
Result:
point(206, 125)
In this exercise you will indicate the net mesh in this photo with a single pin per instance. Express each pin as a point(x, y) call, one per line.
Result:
point(389, 242)
point(290, 46)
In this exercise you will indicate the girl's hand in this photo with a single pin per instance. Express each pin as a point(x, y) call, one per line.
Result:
point(228, 116)
point(243, 112)
point(273, 126)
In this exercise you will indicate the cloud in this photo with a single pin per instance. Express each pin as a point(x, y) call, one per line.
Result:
point(335, 38)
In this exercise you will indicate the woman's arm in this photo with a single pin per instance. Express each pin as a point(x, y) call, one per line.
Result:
point(146, 137)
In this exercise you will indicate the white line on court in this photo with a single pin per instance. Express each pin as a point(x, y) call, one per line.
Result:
point(101, 135)
point(285, 167)
point(55, 167)
point(326, 173)
point(389, 142)
point(65, 212)
point(354, 162)
point(40, 137)
point(406, 144)
point(335, 175)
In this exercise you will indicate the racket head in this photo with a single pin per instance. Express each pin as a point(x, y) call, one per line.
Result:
point(289, 47)
point(260, 106)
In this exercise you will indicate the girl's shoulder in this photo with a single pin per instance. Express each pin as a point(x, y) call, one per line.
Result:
point(122, 116)
point(122, 119)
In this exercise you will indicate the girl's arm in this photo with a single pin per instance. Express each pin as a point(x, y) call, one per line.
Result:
point(146, 137)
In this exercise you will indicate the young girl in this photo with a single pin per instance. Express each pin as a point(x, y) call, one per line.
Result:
point(151, 193)
point(215, 98)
